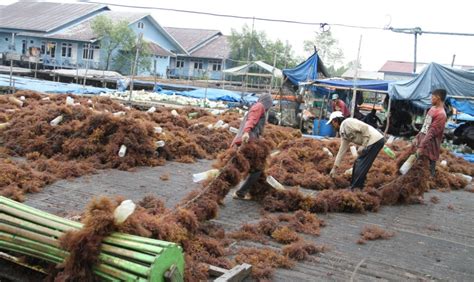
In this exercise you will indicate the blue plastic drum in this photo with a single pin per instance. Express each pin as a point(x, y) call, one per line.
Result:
point(324, 129)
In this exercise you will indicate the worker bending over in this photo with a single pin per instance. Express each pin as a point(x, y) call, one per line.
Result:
point(251, 128)
point(428, 141)
point(370, 143)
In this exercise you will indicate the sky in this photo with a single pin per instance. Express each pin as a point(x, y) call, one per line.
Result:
point(377, 46)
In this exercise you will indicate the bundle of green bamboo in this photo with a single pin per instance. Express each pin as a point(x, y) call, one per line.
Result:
point(123, 257)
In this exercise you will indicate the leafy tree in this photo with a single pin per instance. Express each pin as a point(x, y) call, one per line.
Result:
point(119, 43)
point(247, 45)
point(327, 47)
point(338, 72)
point(123, 62)
point(285, 57)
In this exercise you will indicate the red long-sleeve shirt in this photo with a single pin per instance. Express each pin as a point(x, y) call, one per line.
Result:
point(256, 112)
point(339, 105)
point(431, 135)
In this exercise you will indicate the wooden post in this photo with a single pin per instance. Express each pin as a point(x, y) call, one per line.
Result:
point(77, 73)
point(11, 62)
point(321, 114)
point(154, 74)
point(88, 48)
point(36, 66)
point(387, 115)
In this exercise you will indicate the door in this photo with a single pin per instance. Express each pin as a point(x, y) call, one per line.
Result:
point(73, 53)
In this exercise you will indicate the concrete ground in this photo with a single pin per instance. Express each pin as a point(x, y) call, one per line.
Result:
point(431, 242)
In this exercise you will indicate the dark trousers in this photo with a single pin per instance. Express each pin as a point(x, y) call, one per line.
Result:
point(433, 168)
point(249, 182)
point(364, 162)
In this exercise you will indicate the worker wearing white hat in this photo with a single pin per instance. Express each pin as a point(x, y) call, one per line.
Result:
point(370, 143)
point(339, 105)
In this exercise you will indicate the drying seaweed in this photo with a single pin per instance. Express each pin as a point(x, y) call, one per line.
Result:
point(263, 261)
point(84, 245)
point(165, 177)
point(303, 222)
point(300, 251)
point(322, 202)
point(285, 235)
point(434, 199)
point(373, 232)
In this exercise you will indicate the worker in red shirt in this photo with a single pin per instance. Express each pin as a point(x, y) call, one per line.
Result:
point(428, 141)
point(339, 105)
point(251, 128)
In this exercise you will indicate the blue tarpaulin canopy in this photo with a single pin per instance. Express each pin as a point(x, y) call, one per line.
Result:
point(458, 83)
point(381, 85)
point(306, 71)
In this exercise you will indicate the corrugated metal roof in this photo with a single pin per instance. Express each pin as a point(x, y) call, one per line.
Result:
point(43, 16)
point(399, 67)
point(407, 67)
point(190, 38)
point(363, 74)
point(83, 31)
point(218, 48)
point(156, 49)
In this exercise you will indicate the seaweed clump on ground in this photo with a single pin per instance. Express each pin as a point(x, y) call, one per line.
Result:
point(263, 261)
point(322, 202)
point(300, 251)
point(17, 179)
point(272, 227)
point(84, 245)
point(373, 232)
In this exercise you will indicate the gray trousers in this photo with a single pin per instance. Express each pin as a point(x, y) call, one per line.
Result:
point(364, 162)
point(251, 179)
point(433, 168)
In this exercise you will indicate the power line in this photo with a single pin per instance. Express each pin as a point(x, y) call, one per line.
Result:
point(320, 24)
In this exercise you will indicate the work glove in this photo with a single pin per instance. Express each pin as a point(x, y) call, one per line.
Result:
point(333, 172)
point(418, 153)
point(245, 137)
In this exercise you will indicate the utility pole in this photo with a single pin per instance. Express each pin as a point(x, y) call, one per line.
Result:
point(139, 39)
point(248, 57)
point(418, 31)
point(273, 73)
point(356, 71)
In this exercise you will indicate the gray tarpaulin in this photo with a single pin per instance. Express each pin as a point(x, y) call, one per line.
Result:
point(458, 83)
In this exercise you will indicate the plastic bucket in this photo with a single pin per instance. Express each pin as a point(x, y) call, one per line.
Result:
point(324, 129)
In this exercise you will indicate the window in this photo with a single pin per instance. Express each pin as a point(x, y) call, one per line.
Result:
point(216, 65)
point(51, 49)
point(179, 64)
point(198, 65)
point(141, 25)
point(23, 47)
point(89, 50)
point(43, 47)
point(66, 50)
